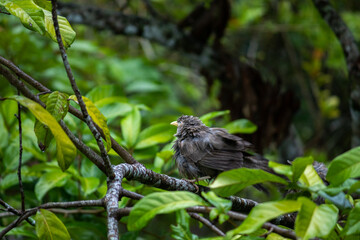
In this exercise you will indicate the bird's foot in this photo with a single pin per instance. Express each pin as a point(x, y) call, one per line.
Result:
point(194, 181)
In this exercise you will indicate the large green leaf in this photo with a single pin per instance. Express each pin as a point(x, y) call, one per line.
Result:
point(49, 227)
point(311, 179)
point(130, 127)
point(241, 126)
point(230, 182)
point(281, 169)
point(57, 105)
point(66, 150)
point(159, 203)
point(31, 15)
point(353, 222)
point(315, 221)
point(39, 19)
point(265, 212)
point(156, 134)
point(97, 117)
point(344, 166)
point(49, 181)
point(299, 165)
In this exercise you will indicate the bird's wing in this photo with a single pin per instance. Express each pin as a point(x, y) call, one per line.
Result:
point(216, 149)
point(221, 136)
point(222, 160)
point(193, 149)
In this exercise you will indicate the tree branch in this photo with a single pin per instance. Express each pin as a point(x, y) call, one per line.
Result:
point(14, 211)
point(18, 116)
point(88, 120)
point(206, 223)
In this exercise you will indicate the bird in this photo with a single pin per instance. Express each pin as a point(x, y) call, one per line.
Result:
point(204, 152)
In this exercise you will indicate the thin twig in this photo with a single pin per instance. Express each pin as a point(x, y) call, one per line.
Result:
point(18, 116)
point(206, 223)
point(77, 211)
point(88, 120)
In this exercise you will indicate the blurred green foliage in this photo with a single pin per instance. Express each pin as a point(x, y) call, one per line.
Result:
point(141, 87)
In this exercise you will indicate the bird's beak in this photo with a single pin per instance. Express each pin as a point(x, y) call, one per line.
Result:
point(174, 123)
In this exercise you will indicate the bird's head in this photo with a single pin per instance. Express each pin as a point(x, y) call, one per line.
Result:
point(188, 126)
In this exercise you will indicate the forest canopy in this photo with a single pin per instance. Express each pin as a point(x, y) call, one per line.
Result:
point(88, 90)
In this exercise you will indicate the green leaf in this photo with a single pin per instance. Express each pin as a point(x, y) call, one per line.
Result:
point(241, 126)
point(352, 225)
point(22, 232)
point(281, 169)
point(38, 19)
point(58, 106)
point(146, 153)
point(159, 203)
point(354, 187)
point(31, 15)
point(97, 117)
point(311, 179)
point(339, 199)
point(182, 229)
point(275, 236)
point(156, 134)
point(115, 109)
point(230, 182)
point(344, 166)
point(265, 212)
point(49, 226)
point(66, 151)
point(223, 205)
point(49, 181)
point(89, 184)
point(315, 221)
point(130, 127)
point(299, 165)
point(44, 4)
point(181, 233)
point(101, 92)
point(207, 117)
